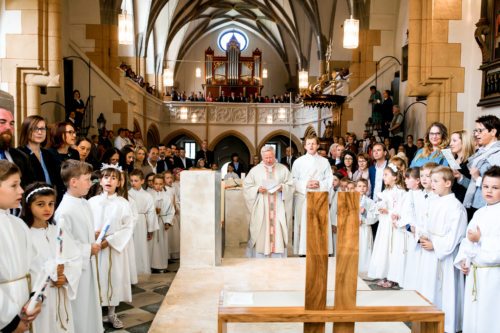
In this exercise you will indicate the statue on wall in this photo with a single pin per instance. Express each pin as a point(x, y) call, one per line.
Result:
point(328, 133)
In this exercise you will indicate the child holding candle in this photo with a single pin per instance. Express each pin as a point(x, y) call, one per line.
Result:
point(17, 255)
point(58, 258)
point(113, 212)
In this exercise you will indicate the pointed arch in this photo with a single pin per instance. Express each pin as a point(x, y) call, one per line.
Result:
point(153, 136)
point(179, 132)
point(236, 134)
point(284, 133)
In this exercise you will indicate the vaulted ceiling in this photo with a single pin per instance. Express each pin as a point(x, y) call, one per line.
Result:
point(290, 27)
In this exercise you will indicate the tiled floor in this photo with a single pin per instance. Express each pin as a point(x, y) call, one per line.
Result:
point(147, 297)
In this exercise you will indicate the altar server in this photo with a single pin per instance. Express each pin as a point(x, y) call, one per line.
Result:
point(387, 202)
point(17, 255)
point(58, 258)
point(479, 259)
point(78, 227)
point(164, 214)
point(368, 215)
point(113, 214)
point(311, 172)
point(146, 222)
point(448, 222)
point(268, 190)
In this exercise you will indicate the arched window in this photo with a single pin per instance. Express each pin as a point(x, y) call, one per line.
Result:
point(226, 36)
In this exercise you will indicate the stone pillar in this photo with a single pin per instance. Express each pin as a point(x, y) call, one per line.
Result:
point(201, 232)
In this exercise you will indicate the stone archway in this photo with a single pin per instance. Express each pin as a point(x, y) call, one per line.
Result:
point(296, 142)
point(231, 142)
point(181, 132)
point(153, 136)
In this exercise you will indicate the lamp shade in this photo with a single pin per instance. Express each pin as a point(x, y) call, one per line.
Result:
point(198, 72)
point(125, 28)
point(351, 33)
point(168, 77)
point(303, 79)
point(264, 73)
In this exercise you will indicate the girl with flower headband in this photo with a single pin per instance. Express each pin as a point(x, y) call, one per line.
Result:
point(58, 257)
point(387, 263)
point(113, 219)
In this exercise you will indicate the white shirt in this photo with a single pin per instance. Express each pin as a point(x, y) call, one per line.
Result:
point(379, 175)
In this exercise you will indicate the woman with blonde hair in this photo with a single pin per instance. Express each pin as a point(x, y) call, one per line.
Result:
point(462, 147)
point(140, 153)
point(436, 139)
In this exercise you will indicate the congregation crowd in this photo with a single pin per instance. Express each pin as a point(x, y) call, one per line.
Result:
point(82, 218)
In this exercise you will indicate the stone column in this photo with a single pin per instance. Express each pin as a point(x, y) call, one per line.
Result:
point(201, 232)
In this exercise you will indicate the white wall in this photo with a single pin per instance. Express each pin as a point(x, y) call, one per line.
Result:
point(471, 60)
point(185, 76)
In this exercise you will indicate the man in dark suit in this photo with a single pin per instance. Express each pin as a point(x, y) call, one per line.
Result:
point(187, 163)
point(222, 97)
point(6, 135)
point(237, 165)
point(204, 153)
point(288, 159)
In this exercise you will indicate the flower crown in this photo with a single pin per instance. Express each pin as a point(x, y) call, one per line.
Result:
point(393, 167)
point(38, 190)
point(111, 166)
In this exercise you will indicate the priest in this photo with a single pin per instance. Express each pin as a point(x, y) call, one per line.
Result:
point(310, 172)
point(268, 191)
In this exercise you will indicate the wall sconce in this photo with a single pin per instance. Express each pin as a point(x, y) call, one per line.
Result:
point(194, 118)
point(282, 113)
point(198, 72)
point(264, 73)
point(183, 115)
point(269, 119)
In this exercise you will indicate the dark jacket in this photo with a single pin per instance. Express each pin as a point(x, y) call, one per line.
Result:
point(23, 163)
point(284, 162)
point(51, 164)
point(372, 172)
point(208, 156)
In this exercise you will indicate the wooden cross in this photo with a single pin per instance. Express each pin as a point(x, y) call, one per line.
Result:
point(346, 274)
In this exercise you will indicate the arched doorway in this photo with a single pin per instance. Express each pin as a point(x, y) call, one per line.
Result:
point(229, 145)
point(190, 143)
point(153, 136)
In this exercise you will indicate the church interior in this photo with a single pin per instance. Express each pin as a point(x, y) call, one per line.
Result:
point(236, 76)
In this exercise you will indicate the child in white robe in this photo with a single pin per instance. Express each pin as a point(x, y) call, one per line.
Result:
point(333, 202)
point(447, 225)
point(17, 255)
point(58, 258)
point(367, 216)
point(122, 191)
point(479, 258)
point(387, 203)
point(174, 233)
point(78, 227)
point(113, 264)
point(164, 214)
point(146, 222)
point(411, 216)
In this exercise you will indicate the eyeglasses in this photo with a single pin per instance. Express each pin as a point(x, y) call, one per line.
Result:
point(479, 130)
point(434, 134)
point(71, 132)
point(40, 129)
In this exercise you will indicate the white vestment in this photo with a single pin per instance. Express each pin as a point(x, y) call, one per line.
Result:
point(130, 248)
point(482, 292)
point(56, 314)
point(380, 260)
point(306, 168)
point(113, 262)
point(159, 252)
point(174, 233)
point(146, 222)
point(412, 213)
point(78, 226)
point(268, 211)
point(17, 255)
point(442, 283)
point(398, 243)
point(369, 217)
